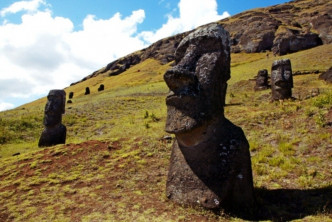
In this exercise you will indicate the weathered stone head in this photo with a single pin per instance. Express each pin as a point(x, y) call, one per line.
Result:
point(262, 80)
point(281, 79)
point(197, 82)
point(54, 132)
point(55, 107)
point(210, 163)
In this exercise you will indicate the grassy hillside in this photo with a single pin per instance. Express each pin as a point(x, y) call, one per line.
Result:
point(115, 162)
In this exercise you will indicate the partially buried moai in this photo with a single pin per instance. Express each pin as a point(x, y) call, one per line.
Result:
point(262, 80)
point(54, 132)
point(281, 79)
point(210, 163)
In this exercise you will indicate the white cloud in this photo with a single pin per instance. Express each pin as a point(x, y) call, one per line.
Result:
point(6, 106)
point(44, 51)
point(193, 13)
point(29, 6)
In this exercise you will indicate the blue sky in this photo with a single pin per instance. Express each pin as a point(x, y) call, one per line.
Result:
point(48, 44)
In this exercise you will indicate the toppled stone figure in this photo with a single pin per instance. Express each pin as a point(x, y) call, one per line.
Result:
point(101, 87)
point(87, 91)
point(262, 80)
point(54, 132)
point(281, 79)
point(210, 163)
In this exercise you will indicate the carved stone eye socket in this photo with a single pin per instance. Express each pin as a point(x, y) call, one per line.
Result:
point(202, 45)
point(287, 74)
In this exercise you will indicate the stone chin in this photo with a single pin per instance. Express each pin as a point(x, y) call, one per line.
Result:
point(179, 126)
point(184, 118)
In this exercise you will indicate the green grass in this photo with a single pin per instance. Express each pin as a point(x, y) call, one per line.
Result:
point(114, 165)
point(245, 66)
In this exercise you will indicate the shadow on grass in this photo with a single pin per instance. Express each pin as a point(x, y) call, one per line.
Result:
point(289, 204)
point(233, 104)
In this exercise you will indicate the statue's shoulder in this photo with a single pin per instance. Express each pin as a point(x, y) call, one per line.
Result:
point(233, 132)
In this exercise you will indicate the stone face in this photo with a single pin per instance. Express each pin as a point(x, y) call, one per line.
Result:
point(262, 80)
point(210, 163)
point(281, 79)
point(87, 91)
point(101, 87)
point(54, 132)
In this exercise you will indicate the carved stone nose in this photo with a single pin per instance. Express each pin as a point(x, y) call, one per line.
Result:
point(281, 83)
point(177, 79)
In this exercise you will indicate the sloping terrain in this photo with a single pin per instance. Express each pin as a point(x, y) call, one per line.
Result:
point(115, 162)
point(277, 30)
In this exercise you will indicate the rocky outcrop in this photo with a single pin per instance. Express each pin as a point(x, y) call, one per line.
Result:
point(282, 29)
point(292, 40)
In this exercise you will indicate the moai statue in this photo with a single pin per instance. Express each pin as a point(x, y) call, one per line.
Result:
point(262, 80)
point(54, 132)
point(281, 79)
point(210, 163)
point(101, 87)
point(71, 95)
point(87, 91)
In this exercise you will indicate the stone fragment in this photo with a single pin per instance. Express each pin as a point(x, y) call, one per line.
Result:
point(71, 95)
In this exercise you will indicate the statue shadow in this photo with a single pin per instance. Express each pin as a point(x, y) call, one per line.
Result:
point(288, 204)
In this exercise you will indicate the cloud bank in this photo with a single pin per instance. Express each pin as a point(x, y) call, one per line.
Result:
point(44, 51)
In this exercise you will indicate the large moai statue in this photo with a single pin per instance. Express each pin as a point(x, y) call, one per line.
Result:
point(210, 163)
point(262, 80)
point(54, 132)
point(281, 79)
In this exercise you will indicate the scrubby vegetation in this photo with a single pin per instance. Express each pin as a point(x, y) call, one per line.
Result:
point(115, 162)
